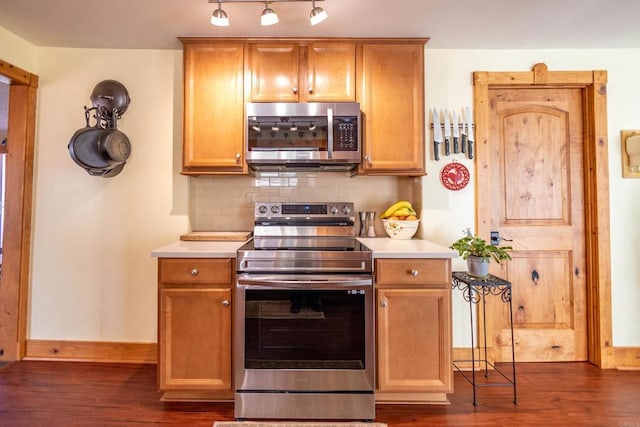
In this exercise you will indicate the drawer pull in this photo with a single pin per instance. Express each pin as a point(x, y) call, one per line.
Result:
point(225, 303)
point(414, 273)
point(383, 304)
point(194, 272)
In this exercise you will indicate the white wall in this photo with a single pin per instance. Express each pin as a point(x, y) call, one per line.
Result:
point(92, 277)
point(449, 85)
point(17, 51)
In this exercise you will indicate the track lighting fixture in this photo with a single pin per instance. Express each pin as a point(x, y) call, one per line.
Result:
point(269, 16)
point(219, 17)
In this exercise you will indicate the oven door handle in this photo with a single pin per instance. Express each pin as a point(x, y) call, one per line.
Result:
point(303, 283)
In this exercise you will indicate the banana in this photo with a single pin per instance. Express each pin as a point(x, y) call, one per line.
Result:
point(397, 205)
point(403, 212)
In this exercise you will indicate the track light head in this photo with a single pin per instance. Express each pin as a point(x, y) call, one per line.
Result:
point(219, 17)
point(317, 14)
point(269, 16)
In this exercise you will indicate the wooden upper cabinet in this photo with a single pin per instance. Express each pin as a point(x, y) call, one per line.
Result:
point(294, 72)
point(213, 108)
point(390, 89)
point(331, 72)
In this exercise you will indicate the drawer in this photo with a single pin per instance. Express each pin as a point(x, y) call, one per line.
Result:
point(200, 271)
point(413, 271)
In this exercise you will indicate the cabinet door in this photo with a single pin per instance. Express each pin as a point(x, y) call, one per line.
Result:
point(331, 72)
point(274, 72)
point(195, 339)
point(213, 108)
point(391, 95)
point(414, 340)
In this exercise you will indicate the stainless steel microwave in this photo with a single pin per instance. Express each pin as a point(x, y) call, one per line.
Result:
point(302, 136)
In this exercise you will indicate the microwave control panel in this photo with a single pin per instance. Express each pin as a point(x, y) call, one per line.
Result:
point(345, 133)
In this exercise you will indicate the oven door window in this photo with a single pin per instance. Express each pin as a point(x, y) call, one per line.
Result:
point(305, 329)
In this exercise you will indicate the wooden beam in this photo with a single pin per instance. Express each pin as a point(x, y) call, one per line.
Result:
point(15, 75)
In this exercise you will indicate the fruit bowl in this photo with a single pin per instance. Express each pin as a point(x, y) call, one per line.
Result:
point(400, 229)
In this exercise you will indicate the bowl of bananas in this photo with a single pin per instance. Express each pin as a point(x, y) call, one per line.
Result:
point(400, 221)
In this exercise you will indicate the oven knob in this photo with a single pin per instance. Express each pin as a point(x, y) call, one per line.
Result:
point(262, 209)
point(275, 209)
point(334, 210)
point(346, 210)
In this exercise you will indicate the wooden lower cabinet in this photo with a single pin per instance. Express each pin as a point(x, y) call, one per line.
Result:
point(413, 318)
point(194, 331)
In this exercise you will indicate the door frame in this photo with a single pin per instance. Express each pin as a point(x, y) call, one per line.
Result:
point(16, 250)
point(596, 182)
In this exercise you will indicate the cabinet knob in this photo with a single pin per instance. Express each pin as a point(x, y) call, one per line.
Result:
point(367, 159)
point(310, 89)
point(414, 273)
point(238, 157)
point(295, 89)
point(383, 303)
point(225, 303)
point(194, 272)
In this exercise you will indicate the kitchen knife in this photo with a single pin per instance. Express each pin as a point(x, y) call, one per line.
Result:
point(463, 138)
point(456, 133)
point(447, 133)
point(470, 130)
point(437, 135)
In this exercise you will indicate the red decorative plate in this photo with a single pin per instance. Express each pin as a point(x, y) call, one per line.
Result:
point(455, 176)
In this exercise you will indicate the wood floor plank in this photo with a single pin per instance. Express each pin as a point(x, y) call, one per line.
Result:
point(35, 393)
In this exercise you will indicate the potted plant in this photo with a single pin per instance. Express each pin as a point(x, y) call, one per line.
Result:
point(478, 253)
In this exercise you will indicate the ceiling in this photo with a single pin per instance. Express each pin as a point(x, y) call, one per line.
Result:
point(450, 24)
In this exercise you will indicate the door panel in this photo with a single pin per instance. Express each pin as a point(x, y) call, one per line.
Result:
point(537, 166)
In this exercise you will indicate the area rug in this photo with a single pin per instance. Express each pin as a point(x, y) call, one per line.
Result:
point(294, 424)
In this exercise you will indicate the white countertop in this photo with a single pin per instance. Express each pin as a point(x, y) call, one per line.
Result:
point(198, 249)
point(382, 247)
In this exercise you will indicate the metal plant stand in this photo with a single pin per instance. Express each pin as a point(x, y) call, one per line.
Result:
point(474, 290)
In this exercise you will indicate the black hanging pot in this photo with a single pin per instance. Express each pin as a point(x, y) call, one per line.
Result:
point(101, 152)
point(110, 96)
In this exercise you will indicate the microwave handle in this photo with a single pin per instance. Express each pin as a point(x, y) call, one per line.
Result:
point(330, 132)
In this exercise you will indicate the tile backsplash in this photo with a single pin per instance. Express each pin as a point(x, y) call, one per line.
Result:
point(226, 203)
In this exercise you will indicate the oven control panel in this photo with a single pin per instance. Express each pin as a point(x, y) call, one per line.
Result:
point(307, 210)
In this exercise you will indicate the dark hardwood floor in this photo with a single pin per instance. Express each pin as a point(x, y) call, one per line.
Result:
point(53, 394)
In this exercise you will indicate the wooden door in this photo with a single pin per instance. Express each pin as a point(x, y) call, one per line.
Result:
point(536, 150)
point(390, 90)
point(331, 72)
point(274, 70)
point(213, 108)
point(195, 339)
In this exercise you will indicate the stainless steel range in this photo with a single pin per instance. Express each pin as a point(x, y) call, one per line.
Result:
point(304, 345)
